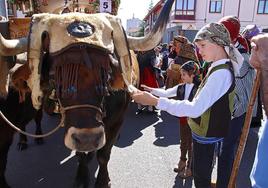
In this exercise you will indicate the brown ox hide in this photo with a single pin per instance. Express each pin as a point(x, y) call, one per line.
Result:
point(259, 60)
point(86, 76)
point(20, 114)
point(91, 83)
point(24, 96)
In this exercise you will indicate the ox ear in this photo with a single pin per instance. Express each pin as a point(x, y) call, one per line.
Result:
point(19, 76)
point(116, 81)
point(6, 64)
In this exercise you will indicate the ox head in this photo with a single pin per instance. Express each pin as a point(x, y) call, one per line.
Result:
point(76, 51)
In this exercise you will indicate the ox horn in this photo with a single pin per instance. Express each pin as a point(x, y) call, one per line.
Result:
point(154, 37)
point(13, 46)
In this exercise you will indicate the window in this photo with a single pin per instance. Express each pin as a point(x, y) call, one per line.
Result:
point(185, 9)
point(263, 7)
point(215, 6)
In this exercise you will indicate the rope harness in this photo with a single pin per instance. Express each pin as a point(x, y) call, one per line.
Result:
point(61, 124)
point(28, 134)
point(64, 109)
point(66, 78)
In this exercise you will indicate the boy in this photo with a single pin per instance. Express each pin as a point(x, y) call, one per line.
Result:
point(210, 110)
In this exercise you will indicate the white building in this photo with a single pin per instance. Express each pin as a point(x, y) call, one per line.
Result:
point(133, 26)
point(187, 15)
point(202, 12)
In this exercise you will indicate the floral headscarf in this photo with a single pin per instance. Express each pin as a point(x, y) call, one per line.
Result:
point(218, 34)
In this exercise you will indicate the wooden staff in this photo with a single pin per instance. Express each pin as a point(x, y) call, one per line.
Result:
point(245, 131)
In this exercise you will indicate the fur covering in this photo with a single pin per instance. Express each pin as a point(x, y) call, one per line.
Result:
point(108, 35)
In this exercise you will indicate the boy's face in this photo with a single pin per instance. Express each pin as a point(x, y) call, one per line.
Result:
point(186, 78)
point(207, 50)
point(177, 46)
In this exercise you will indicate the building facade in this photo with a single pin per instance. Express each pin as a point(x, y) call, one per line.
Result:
point(191, 15)
point(134, 25)
point(152, 16)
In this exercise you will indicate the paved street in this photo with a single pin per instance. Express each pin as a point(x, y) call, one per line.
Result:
point(143, 157)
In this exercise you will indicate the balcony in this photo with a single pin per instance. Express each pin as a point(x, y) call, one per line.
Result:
point(184, 15)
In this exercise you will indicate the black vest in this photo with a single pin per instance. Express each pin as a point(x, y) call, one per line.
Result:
point(181, 92)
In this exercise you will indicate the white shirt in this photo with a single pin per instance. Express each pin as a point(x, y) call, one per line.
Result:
point(157, 60)
point(172, 92)
point(216, 86)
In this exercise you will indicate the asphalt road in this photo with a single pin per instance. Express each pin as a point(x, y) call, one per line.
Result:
point(143, 157)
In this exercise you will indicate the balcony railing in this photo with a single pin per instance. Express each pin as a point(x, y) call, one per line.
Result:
point(185, 15)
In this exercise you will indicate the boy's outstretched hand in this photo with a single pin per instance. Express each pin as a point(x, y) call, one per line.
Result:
point(146, 88)
point(144, 98)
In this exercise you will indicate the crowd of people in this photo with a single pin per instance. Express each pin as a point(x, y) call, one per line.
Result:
point(207, 83)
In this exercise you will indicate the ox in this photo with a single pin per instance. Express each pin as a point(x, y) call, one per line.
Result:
point(89, 60)
point(20, 113)
point(24, 113)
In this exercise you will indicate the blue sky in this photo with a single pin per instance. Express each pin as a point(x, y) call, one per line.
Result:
point(137, 7)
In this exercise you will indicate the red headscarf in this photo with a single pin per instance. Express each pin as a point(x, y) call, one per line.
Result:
point(232, 24)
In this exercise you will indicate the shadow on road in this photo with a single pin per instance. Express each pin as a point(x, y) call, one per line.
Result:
point(167, 131)
point(39, 166)
point(166, 128)
point(132, 129)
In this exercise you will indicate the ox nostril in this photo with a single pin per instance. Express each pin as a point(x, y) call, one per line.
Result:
point(76, 138)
